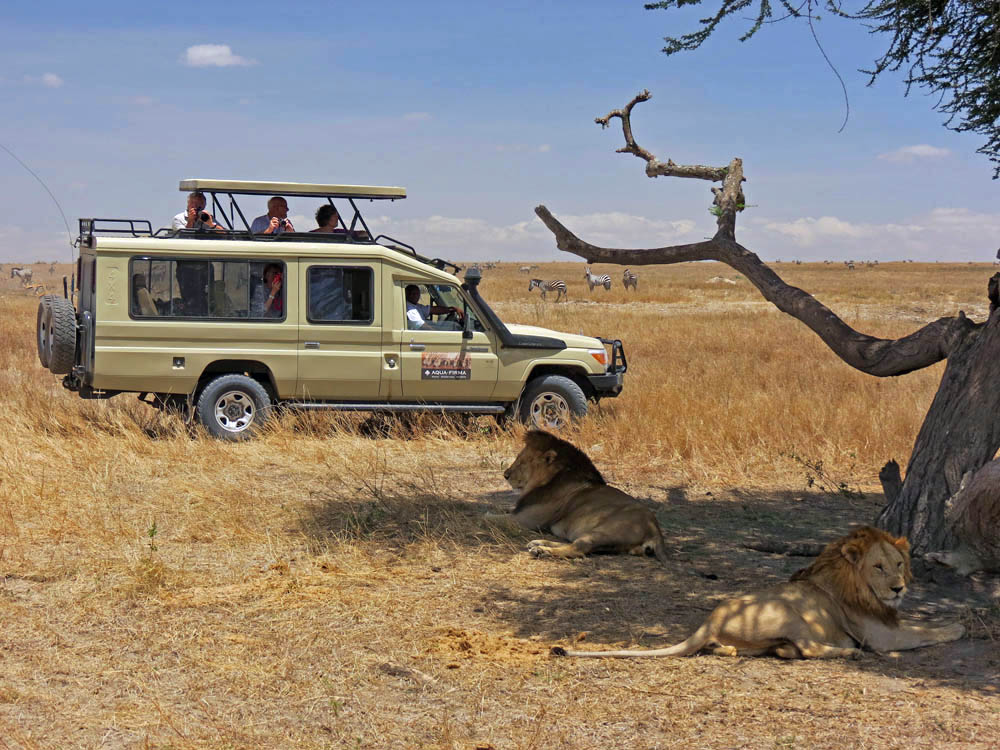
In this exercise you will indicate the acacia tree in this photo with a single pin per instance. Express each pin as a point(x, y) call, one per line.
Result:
point(950, 48)
point(961, 431)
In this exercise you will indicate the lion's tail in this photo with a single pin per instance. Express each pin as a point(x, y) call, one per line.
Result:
point(692, 645)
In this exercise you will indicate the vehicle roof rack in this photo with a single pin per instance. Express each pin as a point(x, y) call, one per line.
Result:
point(302, 189)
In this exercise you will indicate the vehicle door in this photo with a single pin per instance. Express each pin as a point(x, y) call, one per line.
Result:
point(340, 330)
point(438, 363)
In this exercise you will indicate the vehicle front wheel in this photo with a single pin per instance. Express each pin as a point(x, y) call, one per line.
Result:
point(551, 401)
point(233, 407)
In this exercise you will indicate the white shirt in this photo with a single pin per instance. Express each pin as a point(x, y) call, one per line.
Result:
point(180, 221)
point(417, 315)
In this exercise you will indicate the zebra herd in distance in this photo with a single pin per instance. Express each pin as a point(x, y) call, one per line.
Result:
point(629, 279)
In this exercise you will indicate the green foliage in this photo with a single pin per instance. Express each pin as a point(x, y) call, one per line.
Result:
point(950, 48)
point(151, 532)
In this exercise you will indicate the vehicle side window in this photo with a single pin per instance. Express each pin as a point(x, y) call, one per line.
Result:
point(429, 307)
point(205, 290)
point(340, 294)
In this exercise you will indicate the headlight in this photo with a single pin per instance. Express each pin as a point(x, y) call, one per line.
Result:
point(600, 355)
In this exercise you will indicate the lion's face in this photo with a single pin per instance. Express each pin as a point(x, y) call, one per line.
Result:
point(886, 569)
point(532, 468)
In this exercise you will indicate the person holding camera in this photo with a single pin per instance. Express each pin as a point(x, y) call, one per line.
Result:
point(275, 221)
point(267, 300)
point(195, 216)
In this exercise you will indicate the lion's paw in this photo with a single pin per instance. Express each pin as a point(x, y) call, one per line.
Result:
point(855, 653)
point(952, 632)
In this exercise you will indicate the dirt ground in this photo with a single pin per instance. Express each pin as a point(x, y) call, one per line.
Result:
point(322, 587)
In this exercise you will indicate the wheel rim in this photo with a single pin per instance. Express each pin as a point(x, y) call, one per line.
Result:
point(549, 410)
point(44, 345)
point(234, 411)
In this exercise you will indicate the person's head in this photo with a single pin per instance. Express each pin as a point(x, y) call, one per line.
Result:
point(270, 271)
point(412, 293)
point(277, 206)
point(197, 201)
point(327, 216)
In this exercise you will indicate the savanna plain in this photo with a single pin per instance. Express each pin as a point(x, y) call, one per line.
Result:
point(331, 586)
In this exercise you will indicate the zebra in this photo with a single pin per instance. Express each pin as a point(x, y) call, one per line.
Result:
point(593, 280)
point(630, 279)
point(549, 286)
point(524, 269)
point(24, 274)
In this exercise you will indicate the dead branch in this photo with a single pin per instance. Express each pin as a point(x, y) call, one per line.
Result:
point(654, 167)
point(875, 356)
point(789, 549)
point(728, 200)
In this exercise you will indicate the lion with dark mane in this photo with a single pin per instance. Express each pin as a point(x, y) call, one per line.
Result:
point(845, 601)
point(562, 492)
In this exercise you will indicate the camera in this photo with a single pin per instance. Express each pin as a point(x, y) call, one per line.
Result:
point(204, 217)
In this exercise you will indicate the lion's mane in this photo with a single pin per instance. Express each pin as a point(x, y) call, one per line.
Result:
point(834, 572)
point(569, 458)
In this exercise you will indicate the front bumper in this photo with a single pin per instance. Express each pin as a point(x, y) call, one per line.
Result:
point(610, 383)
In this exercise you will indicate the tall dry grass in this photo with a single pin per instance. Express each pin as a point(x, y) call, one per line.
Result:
point(326, 587)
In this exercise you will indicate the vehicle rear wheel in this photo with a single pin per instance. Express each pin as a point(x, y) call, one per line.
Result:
point(42, 328)
point(551, 401)
point(233, 407)
point(59, 320)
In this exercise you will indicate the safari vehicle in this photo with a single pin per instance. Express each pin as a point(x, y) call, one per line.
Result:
point(175, 316)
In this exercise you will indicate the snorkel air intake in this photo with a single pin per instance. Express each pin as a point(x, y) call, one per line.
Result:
point(507, 339)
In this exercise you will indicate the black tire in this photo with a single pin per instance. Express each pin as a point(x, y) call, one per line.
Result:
point(42, 330)
point(233, 407)
point(550, 401)
point(60, 319)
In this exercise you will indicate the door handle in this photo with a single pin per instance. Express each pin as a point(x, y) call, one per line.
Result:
point(312, 345)
point(417, 347)
point(478, 348)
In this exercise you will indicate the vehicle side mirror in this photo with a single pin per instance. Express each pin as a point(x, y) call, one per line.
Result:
point(467, 328)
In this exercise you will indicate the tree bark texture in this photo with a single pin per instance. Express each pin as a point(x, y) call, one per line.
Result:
point(961, 432)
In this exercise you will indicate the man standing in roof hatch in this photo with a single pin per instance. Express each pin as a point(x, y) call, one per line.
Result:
point(275, 221)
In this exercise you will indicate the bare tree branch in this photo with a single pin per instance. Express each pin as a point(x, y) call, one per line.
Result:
point(654, 167)
point(728, 200)
point(875, 356)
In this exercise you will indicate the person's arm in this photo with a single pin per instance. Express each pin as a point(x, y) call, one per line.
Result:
point(275, 291)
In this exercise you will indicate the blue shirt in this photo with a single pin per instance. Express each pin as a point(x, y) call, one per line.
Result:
point(261, 223)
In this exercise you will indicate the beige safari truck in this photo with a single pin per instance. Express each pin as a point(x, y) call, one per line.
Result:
point(223, 324)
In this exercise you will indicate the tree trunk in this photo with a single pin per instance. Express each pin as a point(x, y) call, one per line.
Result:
point(960, 434)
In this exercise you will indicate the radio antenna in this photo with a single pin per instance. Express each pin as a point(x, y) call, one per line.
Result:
point(40, 182)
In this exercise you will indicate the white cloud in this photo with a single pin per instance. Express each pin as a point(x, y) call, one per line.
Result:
point(461, 238)
point(945, 233)
point(417, 116)
point(522, 148)
point(213, 55)
point(908, 154)
point(49, 80)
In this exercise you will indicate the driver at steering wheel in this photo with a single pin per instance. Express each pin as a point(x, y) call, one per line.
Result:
point(417, 315)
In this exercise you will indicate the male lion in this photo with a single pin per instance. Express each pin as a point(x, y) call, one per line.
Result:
point(844, 602)
point(563, 493)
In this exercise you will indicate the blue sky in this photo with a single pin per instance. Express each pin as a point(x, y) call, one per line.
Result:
point(482, 111)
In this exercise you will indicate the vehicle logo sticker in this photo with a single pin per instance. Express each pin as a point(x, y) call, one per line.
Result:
point(445, 366)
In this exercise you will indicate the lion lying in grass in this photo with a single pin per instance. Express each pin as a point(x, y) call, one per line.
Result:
point(563, 493)
point(844, 602)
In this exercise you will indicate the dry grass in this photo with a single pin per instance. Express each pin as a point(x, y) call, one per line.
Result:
point(324, 588)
